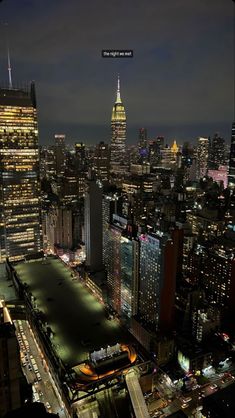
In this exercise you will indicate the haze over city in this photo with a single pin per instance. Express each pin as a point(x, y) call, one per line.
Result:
point(178, 84)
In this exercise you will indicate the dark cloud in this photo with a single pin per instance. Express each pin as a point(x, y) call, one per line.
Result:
point(181, 73)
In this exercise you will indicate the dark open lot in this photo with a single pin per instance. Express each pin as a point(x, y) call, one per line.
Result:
point(77, 320)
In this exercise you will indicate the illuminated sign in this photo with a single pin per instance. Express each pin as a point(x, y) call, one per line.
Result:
point(183, 361)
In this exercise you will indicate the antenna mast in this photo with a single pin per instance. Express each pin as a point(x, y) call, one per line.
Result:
point(8, 59)
point(9, 68)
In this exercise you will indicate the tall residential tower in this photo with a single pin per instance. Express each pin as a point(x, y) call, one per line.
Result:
point(202, 157)
point(118, 139)
point(20, 225)
point(231, 173)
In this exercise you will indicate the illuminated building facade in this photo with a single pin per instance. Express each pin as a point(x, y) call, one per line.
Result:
point(122, 265)
point(118, 138)
point(202, 157)
point(60, 156)
point(143, 145)
point(129, 276)
point(151, 278)
point(80, 153)
point(212, 266)
point(111, 203)
point(220, 175)
point(69, 181)
point(174, 148)
point(219, 277)
point(102, 161)
point(204, 320)
point(157, 279)
point(113, 266)
point(112, 259)
point(81, 167)
point(231, 175)
point(169, 155)
point(154, 151)
point(206, 224)
point(143, 138)
point(216, 152)
point(47, 163)
point(20, 224)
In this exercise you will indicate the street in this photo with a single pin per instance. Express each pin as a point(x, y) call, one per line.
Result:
point(36, 370)
point(167, 399)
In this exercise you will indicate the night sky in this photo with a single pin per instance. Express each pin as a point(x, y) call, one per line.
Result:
point(179, 83)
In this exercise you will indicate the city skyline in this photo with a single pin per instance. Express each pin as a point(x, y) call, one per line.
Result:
point(117, 209)
point(176, 85)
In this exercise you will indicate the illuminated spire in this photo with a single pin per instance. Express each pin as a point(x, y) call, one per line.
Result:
point(174, 148)
point(118, 99)
point(118, 113)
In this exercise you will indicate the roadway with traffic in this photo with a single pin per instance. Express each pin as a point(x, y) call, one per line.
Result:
point(36, 370)
point(189, 401)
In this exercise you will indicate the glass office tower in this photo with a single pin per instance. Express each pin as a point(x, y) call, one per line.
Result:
point(20, 226)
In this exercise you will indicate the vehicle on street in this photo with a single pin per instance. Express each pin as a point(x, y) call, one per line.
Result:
point(35, 368)
point(36, 397)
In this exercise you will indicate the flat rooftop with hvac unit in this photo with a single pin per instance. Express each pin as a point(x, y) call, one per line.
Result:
point(74, 320)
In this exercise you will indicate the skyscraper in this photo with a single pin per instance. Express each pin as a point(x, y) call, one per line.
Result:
point(216, 152)
point(20, 224)
point(80, 153)
point(102, 161)
point(143, 137)
point(121, 250)
point(81, 164)
point(60, 154)
point(93, 224)
point(143, 145)
point(202, 156)
point(157, 280)
point(151, 266)
point(118, 139)
point(231, 175)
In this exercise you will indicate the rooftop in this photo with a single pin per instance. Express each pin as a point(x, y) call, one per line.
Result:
point(18, 96)
point(77, 320)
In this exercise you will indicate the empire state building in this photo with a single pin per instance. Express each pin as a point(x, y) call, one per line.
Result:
point(118, 139)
